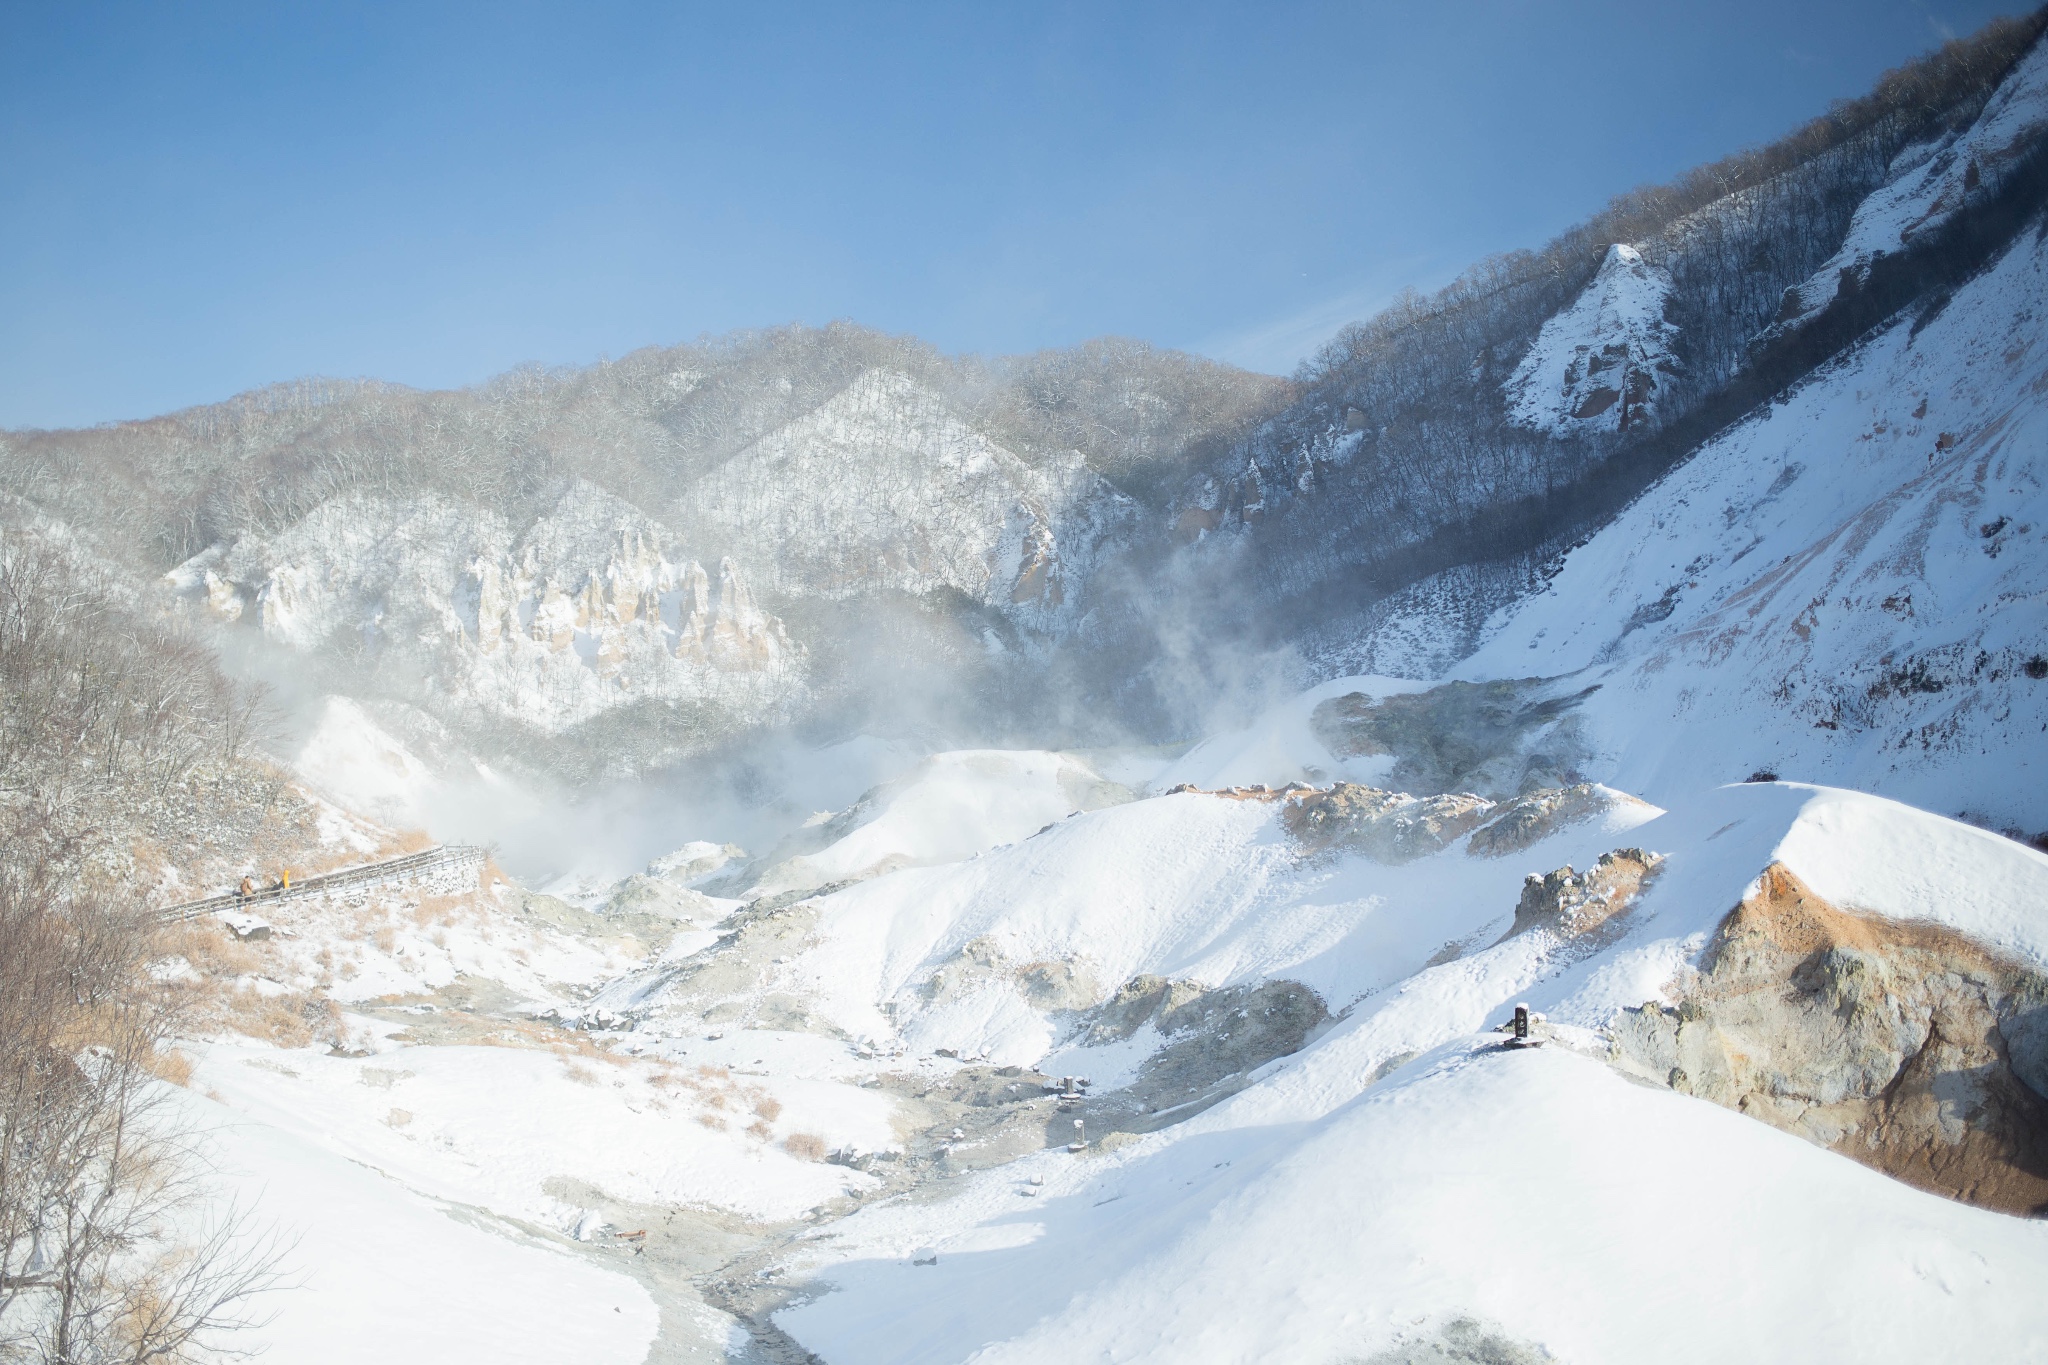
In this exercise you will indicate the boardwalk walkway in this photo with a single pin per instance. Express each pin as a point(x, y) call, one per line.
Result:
point(448, 857)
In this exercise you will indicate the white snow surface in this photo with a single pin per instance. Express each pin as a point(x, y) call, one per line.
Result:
point(491, 1126)
point(1849, 587)
point(1371, 1187)
point(1538, 1192)
point(377, 1272)
point(950, 807)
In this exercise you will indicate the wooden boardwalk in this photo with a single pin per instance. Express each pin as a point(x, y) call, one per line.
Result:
point(445, 857)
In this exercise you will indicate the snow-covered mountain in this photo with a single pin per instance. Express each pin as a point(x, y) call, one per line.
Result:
point(935, 505)
point(1619, 930)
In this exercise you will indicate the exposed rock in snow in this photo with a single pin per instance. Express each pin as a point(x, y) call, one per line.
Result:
point(1905, 1045)
point(1390, 827)
point(1569, 904)
point(1516, 825)
point(1851, 586)
point(1595, 366)
point(1499, 739)
point(583, 612)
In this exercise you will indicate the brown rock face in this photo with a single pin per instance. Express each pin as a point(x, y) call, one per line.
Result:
point(1905, 1046)
point(1389, 827)
point(1569, 904)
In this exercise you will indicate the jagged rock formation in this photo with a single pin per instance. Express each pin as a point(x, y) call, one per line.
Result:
point(1595, 366)
point(1906, 1046)
point(1533, 817)
point(1388, 827)
point(588, 609)
point(937, 506)
point(1569, 904)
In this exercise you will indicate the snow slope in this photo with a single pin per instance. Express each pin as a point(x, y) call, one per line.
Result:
point(375, 1272)
point(1931, 182)
point(1849, 587)
point(947, 809)
point(493, 1126)
point(1399, 1174)
point(1537, 1192)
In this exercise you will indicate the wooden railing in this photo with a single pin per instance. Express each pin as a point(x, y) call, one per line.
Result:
point(370, 874)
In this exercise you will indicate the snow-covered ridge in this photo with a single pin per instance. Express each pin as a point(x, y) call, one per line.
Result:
point(1595, 366)
point(883, 487)
point(1931, 182)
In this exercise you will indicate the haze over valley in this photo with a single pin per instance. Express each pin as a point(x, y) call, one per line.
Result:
point(1523, 840)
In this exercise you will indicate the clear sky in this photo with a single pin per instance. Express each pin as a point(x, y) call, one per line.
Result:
point(197, 198)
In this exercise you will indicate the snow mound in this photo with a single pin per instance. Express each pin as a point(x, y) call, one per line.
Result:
point(1520, 1189)
point(381, 1273)
point(949, 808)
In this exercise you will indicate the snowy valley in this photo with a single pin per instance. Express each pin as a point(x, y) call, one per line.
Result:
point(952, 892)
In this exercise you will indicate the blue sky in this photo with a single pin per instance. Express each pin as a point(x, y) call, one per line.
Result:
point(196, 199)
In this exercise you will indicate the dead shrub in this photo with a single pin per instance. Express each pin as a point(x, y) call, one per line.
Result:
point(169, 1064)
point(805, 1146)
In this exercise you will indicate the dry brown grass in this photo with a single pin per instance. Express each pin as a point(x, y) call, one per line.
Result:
point(805, 1146)
point(430, 911)
point(171, 1065)
point(767, 1106)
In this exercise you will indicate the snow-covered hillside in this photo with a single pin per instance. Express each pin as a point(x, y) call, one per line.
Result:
point(936, 505)
point(1596, 365)
point(1851, 586)
point(1657, 968)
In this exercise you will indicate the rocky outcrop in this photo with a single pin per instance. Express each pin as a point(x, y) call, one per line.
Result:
point(1529, 819)
point(937, 507)
point(1595, 366)
point(590, 609)
point(1388, 827)
point(1906, 1046)
point(1499, 739)
point(1212, 1038)
point(1569, 903)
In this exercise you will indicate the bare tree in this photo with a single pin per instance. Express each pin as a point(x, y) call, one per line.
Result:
point(113, 1249)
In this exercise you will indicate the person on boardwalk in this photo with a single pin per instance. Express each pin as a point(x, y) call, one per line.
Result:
point(247, 888)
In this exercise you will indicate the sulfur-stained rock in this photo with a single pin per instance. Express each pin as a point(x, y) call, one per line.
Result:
point(1906, 1046)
